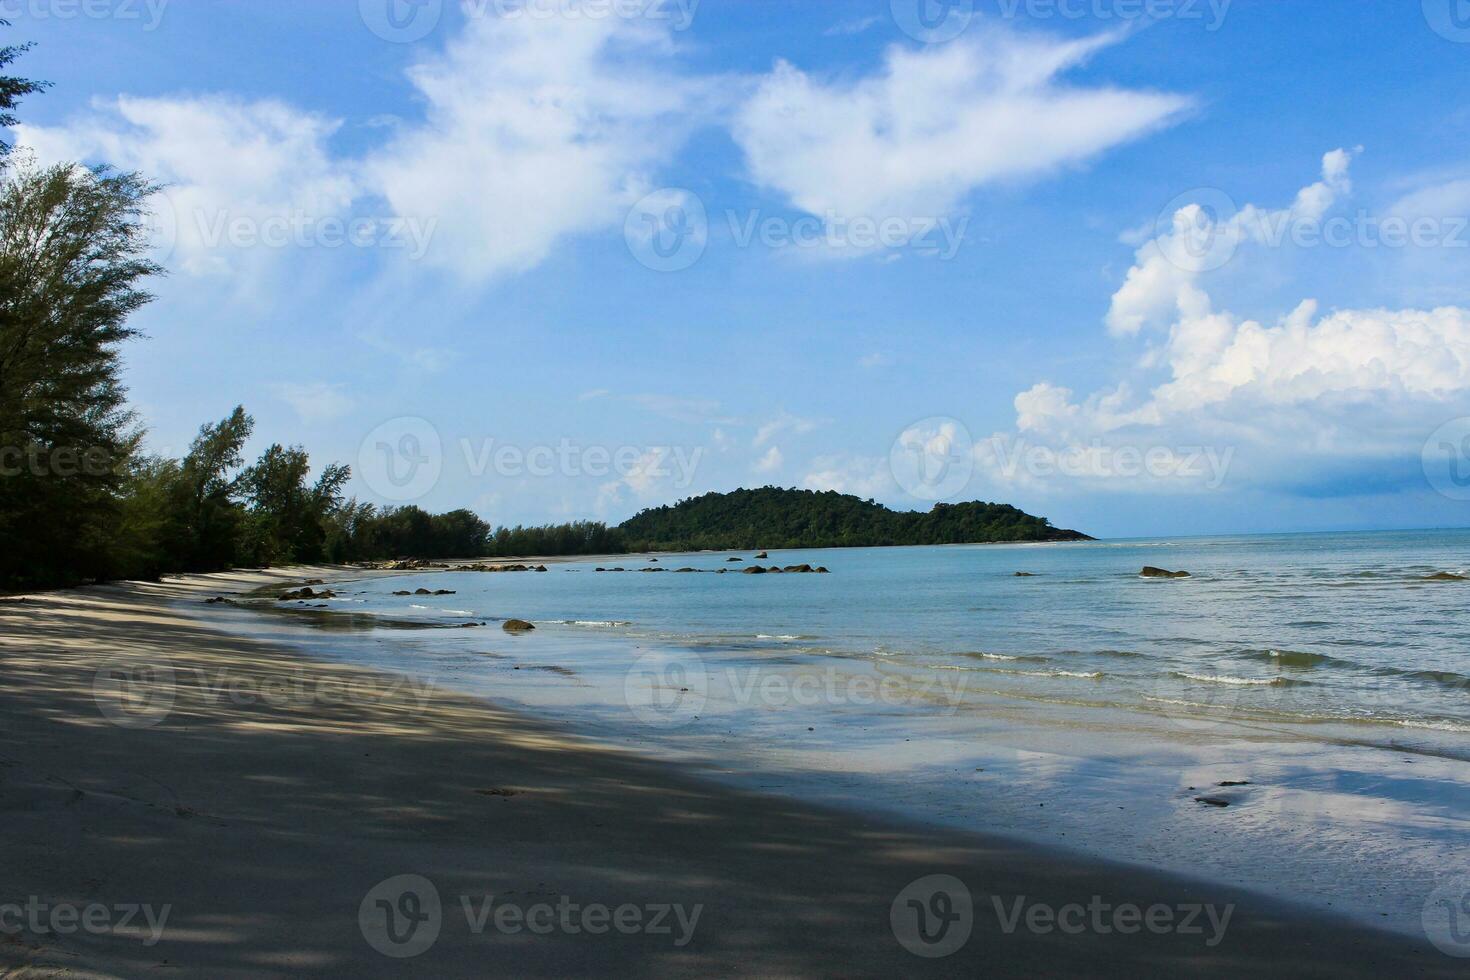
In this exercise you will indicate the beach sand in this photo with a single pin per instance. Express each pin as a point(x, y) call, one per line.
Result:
point(266, 795)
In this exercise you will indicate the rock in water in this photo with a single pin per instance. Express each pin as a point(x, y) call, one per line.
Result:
point(517, 626)
point(1150, 571)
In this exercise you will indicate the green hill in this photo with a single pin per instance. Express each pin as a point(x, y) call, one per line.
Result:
point(771, 517)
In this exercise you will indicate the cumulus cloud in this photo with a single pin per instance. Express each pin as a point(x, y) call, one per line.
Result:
point(931, 125)
point(1307, 389)
point(1200, 237)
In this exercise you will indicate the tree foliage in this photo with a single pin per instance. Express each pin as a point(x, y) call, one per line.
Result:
point(771, 517)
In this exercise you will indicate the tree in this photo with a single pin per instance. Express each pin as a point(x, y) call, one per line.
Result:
point(288, 519)
point(13, 89)
point(72, 260)
point(206, 505)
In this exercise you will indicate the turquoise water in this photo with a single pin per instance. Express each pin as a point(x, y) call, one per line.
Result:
point(1307, 628)
point(1325, 676)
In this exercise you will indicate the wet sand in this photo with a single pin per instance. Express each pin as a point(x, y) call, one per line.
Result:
point(260, 798)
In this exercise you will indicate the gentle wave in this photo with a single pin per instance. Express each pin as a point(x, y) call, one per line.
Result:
point(1242, 681)
point(605, 623)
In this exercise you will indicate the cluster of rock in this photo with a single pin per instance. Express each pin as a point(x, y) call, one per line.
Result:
point(750, 570)
point(795, 569)
point(425, 592)
point(306, 593)
point(402, 565)
point(1150, 571)
point(482, 567)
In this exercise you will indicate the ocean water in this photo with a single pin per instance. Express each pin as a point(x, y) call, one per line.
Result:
point(1326, 677)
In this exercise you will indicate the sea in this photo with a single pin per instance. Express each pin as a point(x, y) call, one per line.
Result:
point(1293, 716)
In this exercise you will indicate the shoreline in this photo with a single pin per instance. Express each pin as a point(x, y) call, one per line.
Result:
point(262, 822)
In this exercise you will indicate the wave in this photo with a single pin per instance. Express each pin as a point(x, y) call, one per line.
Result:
point(606, 623)
point(780, 636)
point(1298, 658)
point(1447, 678)
point(1434, 724)
point(1241, 681)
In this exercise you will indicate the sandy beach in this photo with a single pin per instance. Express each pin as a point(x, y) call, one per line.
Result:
point(241, 811)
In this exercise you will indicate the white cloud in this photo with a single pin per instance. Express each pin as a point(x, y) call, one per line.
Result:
point(315, 402)
point(1309, 390)
point(915, 138)
point(784, 422)
point(864, 476)
point(876, 359)
point(850, 27)
point(227, 164)
point(535, 129)
point(770, 462)
point(1197, 240)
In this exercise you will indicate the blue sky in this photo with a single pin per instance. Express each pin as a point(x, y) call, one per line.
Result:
point(1199, 272)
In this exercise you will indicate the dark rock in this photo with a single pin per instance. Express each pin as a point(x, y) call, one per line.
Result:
point(686, 568)
point(403, 592)
point(763, 555)
point(218, 598)
point(1025, 575)
point(422, 592)
point(799, 568)
point(1234, 782)
point(753, 569)
point(1151, 571)
point(1212, 800)
point(1444, 577)
point(306, 593)
point(444, 592)
point(822, 570)
point(653, 559)
point(734, 559)
point(517, 626)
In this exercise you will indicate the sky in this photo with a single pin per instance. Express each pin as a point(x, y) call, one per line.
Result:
point(1143, 267)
